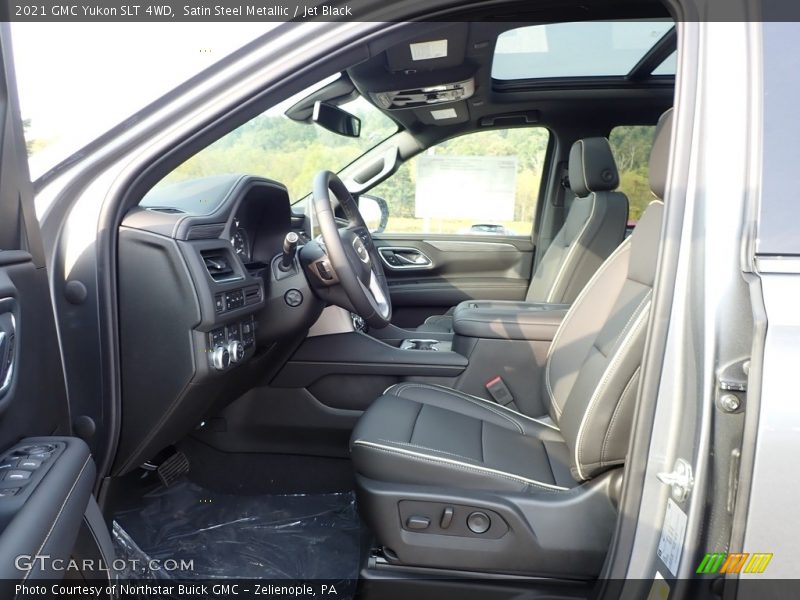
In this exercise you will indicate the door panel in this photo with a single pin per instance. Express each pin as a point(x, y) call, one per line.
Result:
point(46, 478)
point(457, 268)
point(43, 516)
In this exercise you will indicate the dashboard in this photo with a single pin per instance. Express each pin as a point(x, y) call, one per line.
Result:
point(207, 310)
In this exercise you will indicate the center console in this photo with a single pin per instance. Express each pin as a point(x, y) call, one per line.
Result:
point(493, 319)
point(506, 344)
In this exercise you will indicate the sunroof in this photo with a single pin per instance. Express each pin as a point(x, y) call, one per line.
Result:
point(583, 49)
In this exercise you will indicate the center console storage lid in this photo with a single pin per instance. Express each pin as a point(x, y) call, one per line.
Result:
point(497, 319)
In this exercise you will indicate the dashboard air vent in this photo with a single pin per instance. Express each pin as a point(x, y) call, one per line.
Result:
point(205, 232)
point(252, 295)
point(218, 264)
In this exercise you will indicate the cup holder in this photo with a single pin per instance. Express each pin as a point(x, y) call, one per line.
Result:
point(415, 344)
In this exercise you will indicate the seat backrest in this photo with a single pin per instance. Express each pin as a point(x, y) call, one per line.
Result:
point(594, 227)
point(592, 370)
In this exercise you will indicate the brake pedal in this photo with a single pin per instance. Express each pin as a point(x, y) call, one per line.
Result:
point(172, 469)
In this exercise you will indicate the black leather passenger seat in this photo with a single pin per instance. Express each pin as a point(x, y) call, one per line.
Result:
point(593, 228)
point(432, 446)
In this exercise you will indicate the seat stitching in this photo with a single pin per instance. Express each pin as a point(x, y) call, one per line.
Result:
point(414, 424)
point(549, 462)
point(607, 437)
point(483, 454)
point(599, 349)
point(626, 243)
point(611, 463)
point(60, 510)
point(601, 387)
point(605, 378)
point(483, 402)
point(463, 467)
point(619, 250)
point(624, 330)
point(633, 315)
point(407, 386)
point(426, 448)
point(500, 321)
point(572, 246)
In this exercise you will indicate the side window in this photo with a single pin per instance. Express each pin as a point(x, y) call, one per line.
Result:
point(484, 183)
point(631, 146)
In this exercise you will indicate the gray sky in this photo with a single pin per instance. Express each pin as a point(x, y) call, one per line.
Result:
point(76, 80)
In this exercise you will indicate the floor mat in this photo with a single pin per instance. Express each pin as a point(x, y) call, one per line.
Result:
point(302, 536)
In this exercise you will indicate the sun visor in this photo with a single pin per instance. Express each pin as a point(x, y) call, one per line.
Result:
point(443, 114)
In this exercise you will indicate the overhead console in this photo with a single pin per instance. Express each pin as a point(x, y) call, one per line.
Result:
point(204, 299)
point(430, 77)
point(425, 96)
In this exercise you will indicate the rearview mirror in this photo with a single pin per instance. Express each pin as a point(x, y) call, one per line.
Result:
point(336, 120)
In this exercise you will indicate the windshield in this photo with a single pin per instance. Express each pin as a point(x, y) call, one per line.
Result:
point(72, 95)
point(290, 152)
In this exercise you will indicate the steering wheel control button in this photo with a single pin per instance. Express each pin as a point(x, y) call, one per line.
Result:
point(479, 522)
point(6, 492)
point(8, 463)
point(29, 463)
point(324, 270)
point(447, 517)
point(293, 298)
point(418, 523)
point(17, 475)
point(220, 358)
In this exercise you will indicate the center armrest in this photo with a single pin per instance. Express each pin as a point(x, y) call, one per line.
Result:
point(497, 319)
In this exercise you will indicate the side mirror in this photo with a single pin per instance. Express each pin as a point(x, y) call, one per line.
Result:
point(374, 211)
point(336, 120)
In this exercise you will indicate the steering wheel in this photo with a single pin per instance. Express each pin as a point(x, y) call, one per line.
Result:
point(351, 252)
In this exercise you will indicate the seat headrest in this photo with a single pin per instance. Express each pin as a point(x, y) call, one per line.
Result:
point(592, 167)
point(659, 154)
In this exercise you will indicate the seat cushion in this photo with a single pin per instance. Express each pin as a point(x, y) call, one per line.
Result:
point(431, 435)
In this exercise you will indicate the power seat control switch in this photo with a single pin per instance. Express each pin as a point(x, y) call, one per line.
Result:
point(479, 522)
point(447, 517)
point(418, 523)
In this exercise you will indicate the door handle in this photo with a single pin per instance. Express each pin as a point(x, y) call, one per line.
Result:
point(397, 258)
point(8, 331)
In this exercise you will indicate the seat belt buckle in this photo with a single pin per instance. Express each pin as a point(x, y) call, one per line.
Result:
point(499, 391)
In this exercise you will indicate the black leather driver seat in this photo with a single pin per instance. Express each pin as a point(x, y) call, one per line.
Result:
point(422, 448)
